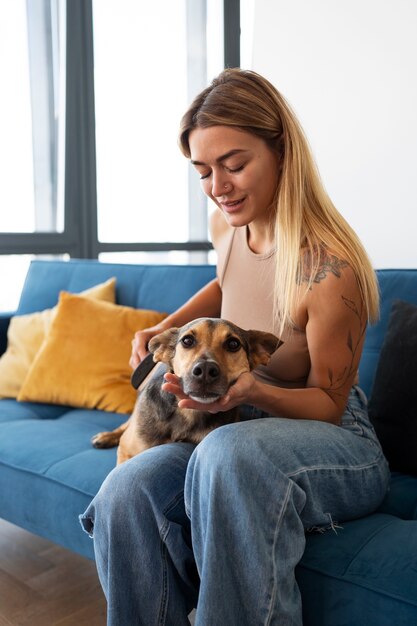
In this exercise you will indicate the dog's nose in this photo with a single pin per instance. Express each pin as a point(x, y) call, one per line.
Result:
point(206, 371)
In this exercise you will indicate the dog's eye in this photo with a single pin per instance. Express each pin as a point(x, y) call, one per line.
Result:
point(188, 341)
point(233, 344)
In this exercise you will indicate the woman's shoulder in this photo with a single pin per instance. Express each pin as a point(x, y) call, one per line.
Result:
point(220, 230)
point(330, 277)
point(317, 265)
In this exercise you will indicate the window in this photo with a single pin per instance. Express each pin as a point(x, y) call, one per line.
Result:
point(247, 16)
point(32, 131)
point(16, 190)
point(94, 92)
point(160, 56)
point(140, 93)
point(30, 122)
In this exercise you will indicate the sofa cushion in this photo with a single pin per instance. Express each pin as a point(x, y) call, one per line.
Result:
point(393, 285)
point(12, 411)
point(367, 568)
point(84, 360)
point(393, 403)
point(26, 334)
point(155, 287)
point(60, 449)
point(5, 318)
point(49, 469)
point(401, 498)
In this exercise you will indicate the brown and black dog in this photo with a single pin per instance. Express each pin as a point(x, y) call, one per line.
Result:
point(208, 355)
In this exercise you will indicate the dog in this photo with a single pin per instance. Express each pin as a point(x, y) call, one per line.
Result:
point(208, 355)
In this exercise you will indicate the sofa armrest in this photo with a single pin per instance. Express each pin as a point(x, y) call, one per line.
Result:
point(5, 318)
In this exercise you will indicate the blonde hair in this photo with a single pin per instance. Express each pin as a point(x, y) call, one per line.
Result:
point(305, 217)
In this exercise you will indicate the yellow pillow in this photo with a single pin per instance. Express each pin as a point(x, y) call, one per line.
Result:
point(26, 334)
point(84, 360)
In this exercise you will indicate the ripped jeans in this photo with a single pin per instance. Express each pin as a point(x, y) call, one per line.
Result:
point(221, 526)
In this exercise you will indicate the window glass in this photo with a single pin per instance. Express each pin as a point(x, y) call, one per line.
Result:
point(173, 257)
point(140, 94)
point(16, 190)
point(247, 14)
point(31, 113)
point(143, 52)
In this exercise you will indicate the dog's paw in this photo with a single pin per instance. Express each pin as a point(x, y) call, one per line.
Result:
point(105, 440)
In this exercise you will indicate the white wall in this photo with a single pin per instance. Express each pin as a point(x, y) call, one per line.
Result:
point(349, 69)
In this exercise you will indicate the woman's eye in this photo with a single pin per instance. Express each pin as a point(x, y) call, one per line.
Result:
point(188, 341)
point(234, 170)
point(233, 344)
point(204, 176)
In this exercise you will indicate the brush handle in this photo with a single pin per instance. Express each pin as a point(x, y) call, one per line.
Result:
point(142, 370)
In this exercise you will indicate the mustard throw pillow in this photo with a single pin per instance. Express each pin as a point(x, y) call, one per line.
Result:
point(26, 334)
point(84, 360)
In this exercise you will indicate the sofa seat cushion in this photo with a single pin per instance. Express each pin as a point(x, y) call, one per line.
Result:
point(401, 499)
point(12, 411)
point(368, 566)
point(59, 448)
point(49, 470)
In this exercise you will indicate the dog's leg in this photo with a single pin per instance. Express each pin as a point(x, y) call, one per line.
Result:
point(130, 443)
point(110, 439)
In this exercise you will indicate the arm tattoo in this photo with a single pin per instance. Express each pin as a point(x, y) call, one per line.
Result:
point(353, 342)
point(331, 265)
point(328, 264)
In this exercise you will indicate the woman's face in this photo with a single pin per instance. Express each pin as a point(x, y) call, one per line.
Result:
point(238, 171)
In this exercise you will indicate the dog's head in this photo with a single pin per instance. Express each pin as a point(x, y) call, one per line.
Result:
point(208, 355)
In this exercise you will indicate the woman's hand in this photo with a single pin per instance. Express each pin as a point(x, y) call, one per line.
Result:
point(140, 344)
point(205, 303)
point(239, 393)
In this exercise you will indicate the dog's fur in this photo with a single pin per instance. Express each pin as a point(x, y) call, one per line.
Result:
point(208, 355)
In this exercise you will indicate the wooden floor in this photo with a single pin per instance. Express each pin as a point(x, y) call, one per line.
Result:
point(42, 584)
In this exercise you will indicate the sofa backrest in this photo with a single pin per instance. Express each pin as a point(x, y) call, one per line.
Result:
point(158, 287)
point(394, 284)
point(166, 287)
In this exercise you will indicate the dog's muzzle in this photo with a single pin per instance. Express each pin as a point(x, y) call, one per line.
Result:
point(206, 372)
point(205, 383)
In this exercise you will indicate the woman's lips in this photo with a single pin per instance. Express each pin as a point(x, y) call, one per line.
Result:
point(232, 205)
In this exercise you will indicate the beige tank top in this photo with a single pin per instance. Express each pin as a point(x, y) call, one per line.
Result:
point(246, 280)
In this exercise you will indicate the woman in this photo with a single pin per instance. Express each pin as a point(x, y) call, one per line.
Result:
point(224, 523)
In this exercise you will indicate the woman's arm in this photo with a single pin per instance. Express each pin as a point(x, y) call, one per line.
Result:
point(205, 303)
point(335, 331)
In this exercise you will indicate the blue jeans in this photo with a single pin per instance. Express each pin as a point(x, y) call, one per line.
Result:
point(221, 526)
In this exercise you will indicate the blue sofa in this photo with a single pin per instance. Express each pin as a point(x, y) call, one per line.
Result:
point(364, 574)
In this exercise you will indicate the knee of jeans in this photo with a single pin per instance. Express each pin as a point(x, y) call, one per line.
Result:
point(126, 483)
point(225, 448)
point(210, 464)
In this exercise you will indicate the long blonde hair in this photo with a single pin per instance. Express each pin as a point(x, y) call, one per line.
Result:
point(305, 217)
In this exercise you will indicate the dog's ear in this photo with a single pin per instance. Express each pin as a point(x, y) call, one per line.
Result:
point(261, 347)
point(163, 345)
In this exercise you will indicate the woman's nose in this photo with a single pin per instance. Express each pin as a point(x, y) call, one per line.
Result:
point(220, 186)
